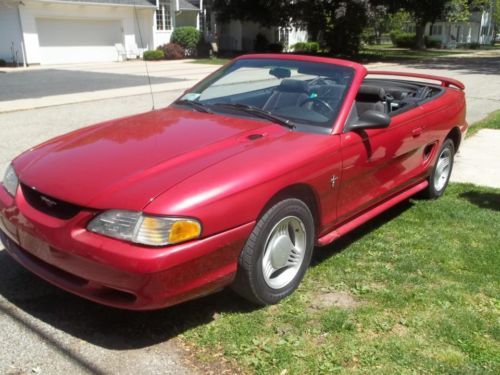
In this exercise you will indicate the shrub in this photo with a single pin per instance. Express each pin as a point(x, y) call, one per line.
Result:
point(3, 62)
point(188, 38)
point(172, 51)
point(409, 40)
point(432, 43)
point(306, 47)
point(261, 43)
point(403, 40)
point(474, 46)
point(204, 49)
point(153, 55)
point(275, 47)
point(368, 36)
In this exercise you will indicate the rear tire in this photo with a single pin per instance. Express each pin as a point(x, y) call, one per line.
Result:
point(277, 253)
point(440, 176)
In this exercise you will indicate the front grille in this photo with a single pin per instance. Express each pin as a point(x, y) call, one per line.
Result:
point(49, 205)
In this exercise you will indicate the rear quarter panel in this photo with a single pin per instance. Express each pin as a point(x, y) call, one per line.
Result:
point(444, 113)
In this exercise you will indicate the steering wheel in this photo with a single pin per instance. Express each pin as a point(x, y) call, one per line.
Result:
point(324, 108)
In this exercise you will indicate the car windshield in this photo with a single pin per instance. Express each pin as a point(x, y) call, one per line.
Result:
point(301, 95)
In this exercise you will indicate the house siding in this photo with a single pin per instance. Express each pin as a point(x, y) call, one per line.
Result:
point(14, 27)
point(11, 34)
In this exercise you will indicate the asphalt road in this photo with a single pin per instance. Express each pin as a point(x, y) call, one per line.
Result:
point(45, 330)
point(47, 82)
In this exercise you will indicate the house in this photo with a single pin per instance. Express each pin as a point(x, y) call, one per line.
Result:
point(479, 29)
point(238, 36)
point(70, 31)
point(76, 31)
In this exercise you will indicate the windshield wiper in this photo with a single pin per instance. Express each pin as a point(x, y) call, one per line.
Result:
point(257, 112)
point(200, 107)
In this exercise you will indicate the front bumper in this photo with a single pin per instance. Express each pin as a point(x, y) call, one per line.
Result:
point(113, 272)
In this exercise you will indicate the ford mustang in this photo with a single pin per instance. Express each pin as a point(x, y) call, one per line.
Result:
point(234, 184)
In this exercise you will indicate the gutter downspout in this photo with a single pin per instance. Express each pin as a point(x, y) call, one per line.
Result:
point(23, 49)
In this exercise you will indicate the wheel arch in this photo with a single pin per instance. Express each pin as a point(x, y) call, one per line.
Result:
point(301, 191)
point(456, 136)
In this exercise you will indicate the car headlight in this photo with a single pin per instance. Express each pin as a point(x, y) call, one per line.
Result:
point(10, 180)
point(144, 229)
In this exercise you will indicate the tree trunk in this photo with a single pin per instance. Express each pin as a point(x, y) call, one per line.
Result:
point(420, 31)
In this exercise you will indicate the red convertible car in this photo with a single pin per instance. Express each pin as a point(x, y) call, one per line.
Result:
point(233, 184)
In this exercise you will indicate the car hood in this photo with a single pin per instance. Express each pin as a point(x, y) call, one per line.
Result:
point(126, 163)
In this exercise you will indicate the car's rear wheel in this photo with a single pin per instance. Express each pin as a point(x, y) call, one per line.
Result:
point(277, 253)
point(440, 176)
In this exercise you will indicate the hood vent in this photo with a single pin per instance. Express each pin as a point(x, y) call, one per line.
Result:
point(254, 137)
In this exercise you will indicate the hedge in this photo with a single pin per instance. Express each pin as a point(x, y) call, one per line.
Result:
point(409, 40)
point(307, 47)
point(172, 51)
point(188, 38)
point(153, 55)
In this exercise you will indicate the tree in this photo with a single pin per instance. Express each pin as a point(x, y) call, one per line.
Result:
point(379, 21)
point(422, 11)
point(457, 11)
point(265, 12)
point(338, 23)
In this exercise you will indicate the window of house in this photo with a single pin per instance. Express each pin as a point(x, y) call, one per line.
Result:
point(437, 29)
point(163, 16)
point(409, 28)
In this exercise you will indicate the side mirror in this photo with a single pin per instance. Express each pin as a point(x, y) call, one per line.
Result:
point(371, 120)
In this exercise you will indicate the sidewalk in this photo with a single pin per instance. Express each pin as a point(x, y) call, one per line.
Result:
point(478, 160)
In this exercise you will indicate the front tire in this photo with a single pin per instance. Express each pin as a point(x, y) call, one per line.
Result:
point(277, 253)
point(440, 176)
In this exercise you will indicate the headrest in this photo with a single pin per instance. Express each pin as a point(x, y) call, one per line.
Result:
point(293, 85)
point(370, 94)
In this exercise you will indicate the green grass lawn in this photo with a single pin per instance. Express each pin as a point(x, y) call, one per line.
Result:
point(490, 122)
point(213, 61)
point(416, 290)
point(383, 53)
point(386, 52)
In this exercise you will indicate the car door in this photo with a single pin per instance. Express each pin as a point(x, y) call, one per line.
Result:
point(379, 162)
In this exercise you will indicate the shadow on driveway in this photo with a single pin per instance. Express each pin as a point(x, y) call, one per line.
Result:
point(469, 65)
point(104, 326)
point(41, 83)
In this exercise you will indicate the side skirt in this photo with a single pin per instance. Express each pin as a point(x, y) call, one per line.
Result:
point(363, 218)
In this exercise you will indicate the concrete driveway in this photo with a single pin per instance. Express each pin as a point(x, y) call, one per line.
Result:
point(47, 331)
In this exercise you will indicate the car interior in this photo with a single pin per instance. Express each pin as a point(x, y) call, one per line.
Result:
point(315, 100)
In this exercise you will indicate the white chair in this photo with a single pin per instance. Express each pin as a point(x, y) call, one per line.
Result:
point(121, 51)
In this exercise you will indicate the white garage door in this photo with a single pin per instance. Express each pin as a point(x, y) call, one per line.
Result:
point(71, 40)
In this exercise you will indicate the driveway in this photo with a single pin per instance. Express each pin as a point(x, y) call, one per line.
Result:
point(47, 331)
point(51, 82)
point(40, 86)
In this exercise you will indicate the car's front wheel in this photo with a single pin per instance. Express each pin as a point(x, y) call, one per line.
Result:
point(277, 253)
point(440, 176)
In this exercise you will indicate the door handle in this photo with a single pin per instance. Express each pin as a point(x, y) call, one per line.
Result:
point(417, 132)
